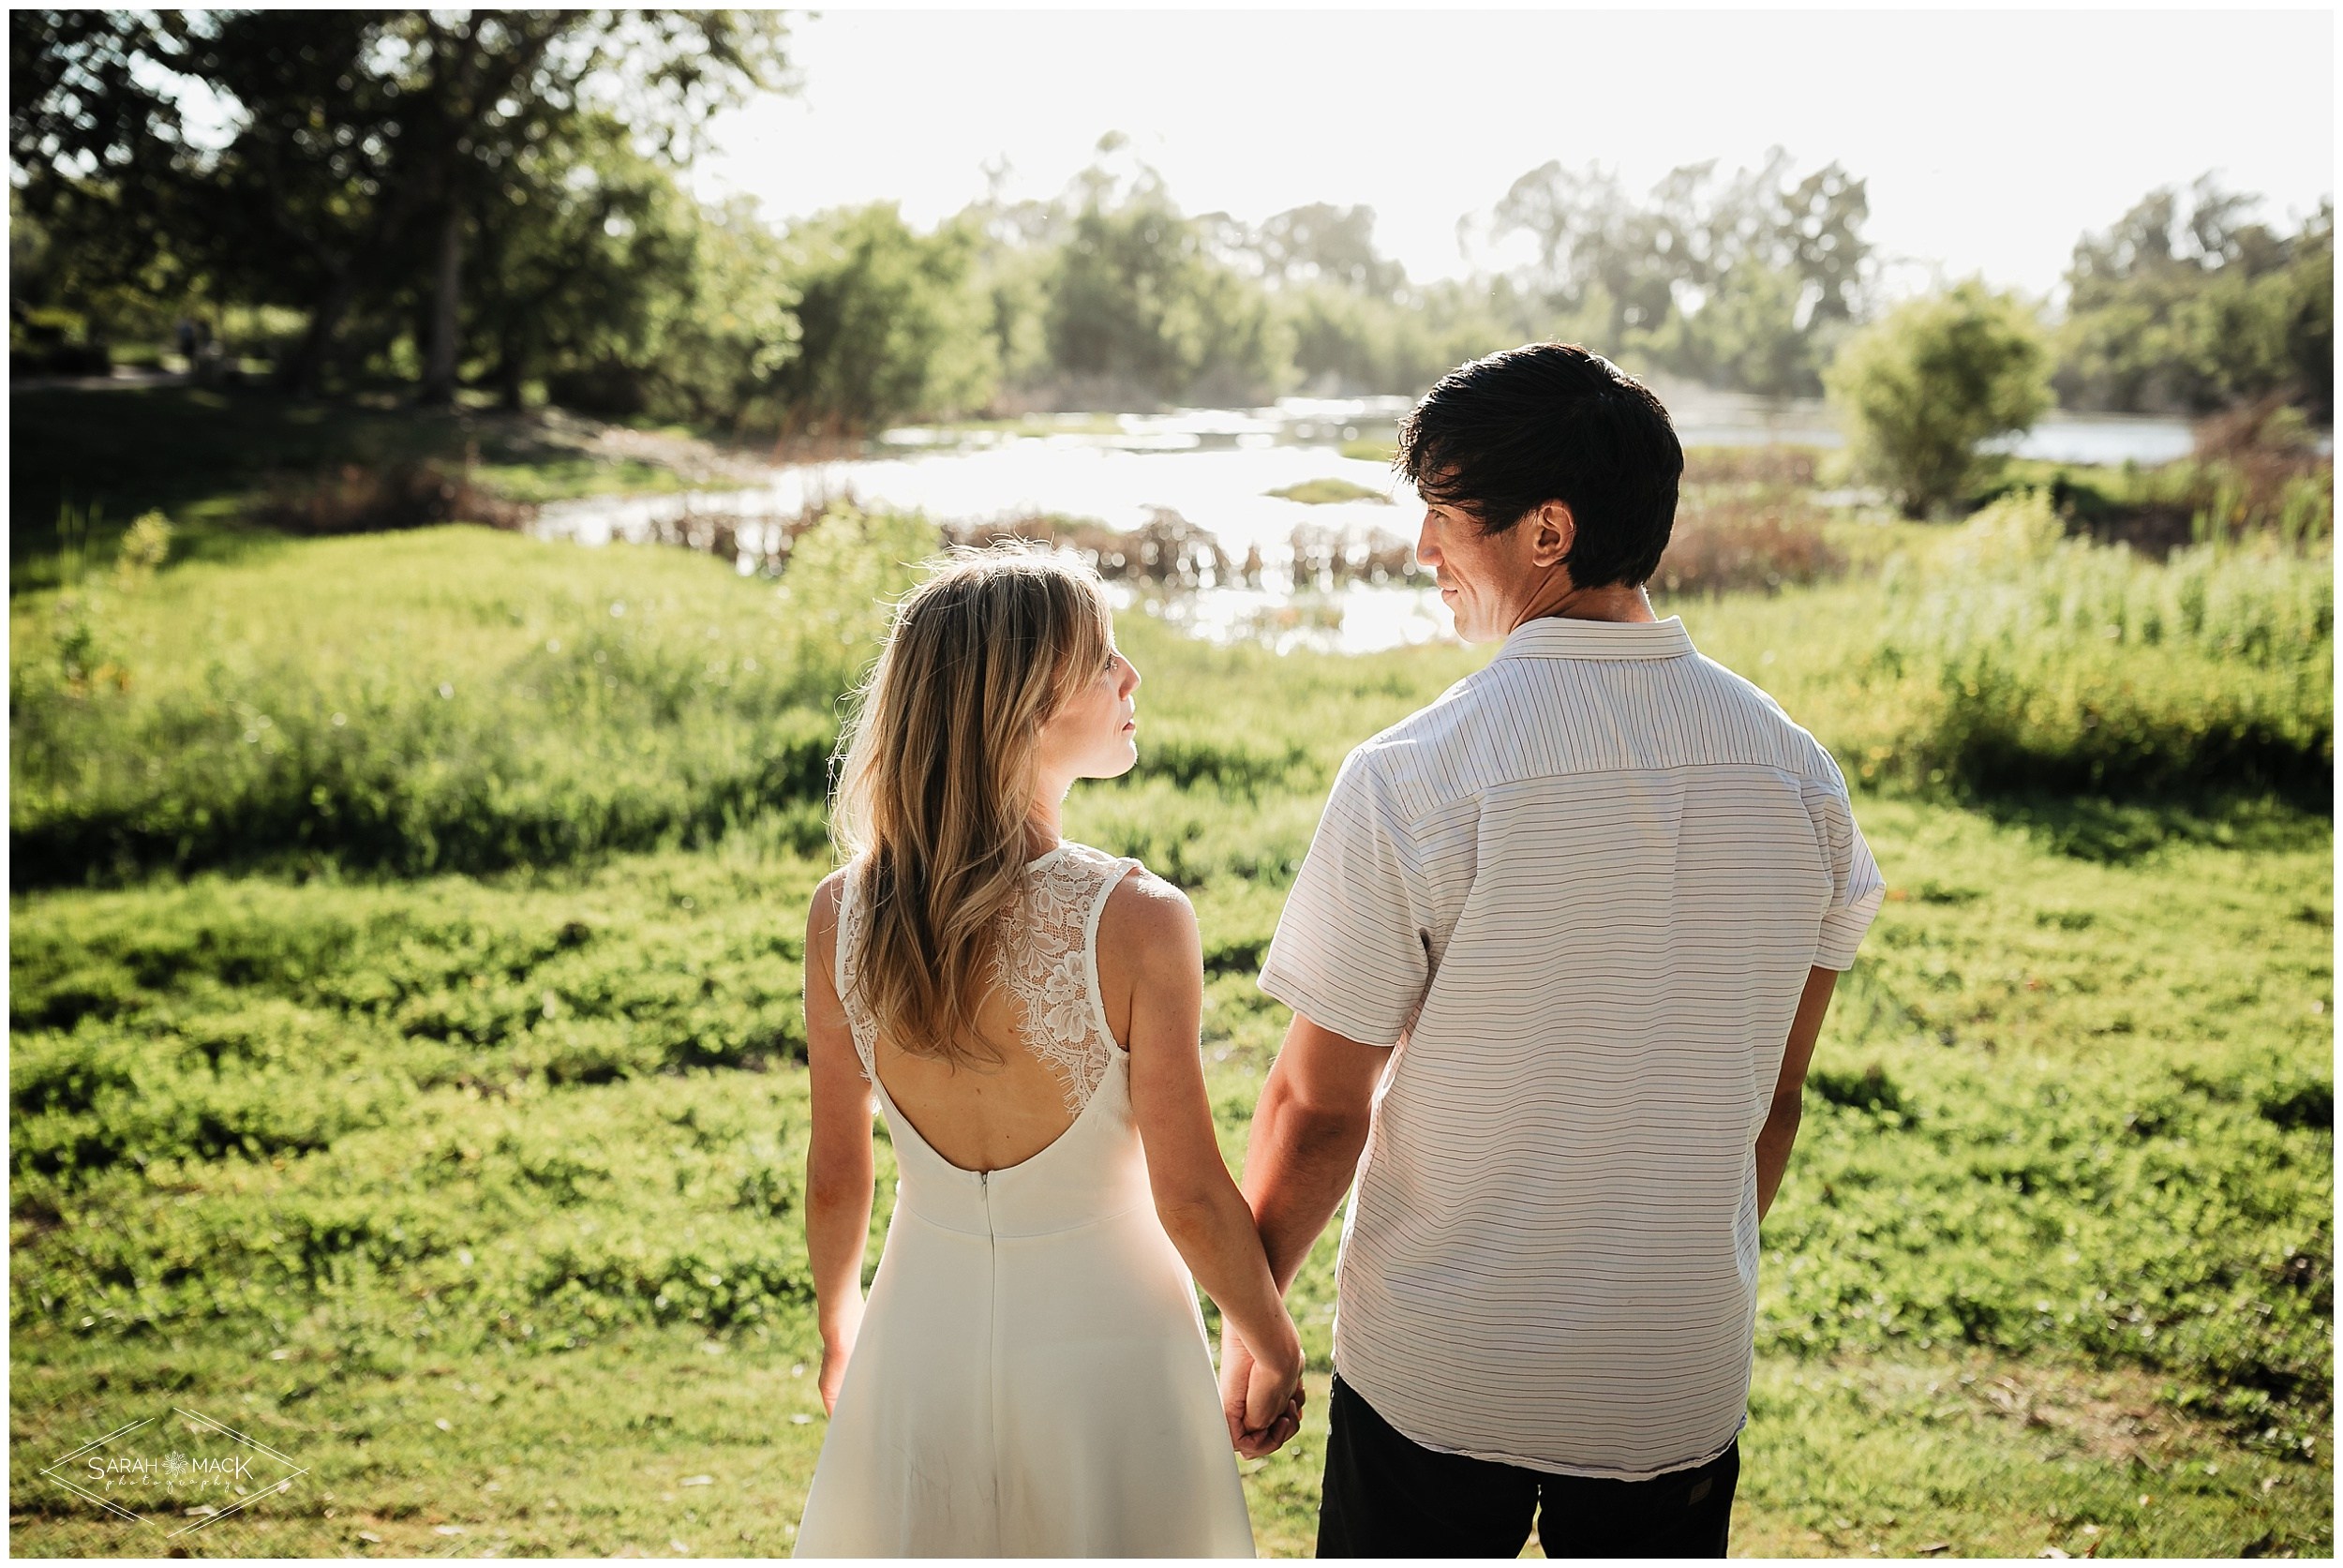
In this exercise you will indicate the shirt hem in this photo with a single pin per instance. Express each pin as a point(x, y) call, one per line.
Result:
point(1844, 930)
point(1584, 1473)
point(1282, 987)
point(1551, 1466)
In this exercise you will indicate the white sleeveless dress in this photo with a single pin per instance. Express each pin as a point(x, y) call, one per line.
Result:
point(1032, 1377)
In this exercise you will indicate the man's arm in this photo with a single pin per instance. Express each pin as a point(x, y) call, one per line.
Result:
point(1789, 1090)
point(1307, 1131)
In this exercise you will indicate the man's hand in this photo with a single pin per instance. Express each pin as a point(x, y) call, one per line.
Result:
point(1238, 1374)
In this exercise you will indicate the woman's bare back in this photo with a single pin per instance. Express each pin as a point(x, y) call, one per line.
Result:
point(1001, 1111)
point(981, 1116)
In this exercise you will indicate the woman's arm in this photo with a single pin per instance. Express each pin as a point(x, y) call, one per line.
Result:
point(1152, 931)
point(1316, 1108)
point(840, 1171)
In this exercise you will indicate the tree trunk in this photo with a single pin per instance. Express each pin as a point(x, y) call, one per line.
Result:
point(511, 374)
point(439, 367)
point(302, 373)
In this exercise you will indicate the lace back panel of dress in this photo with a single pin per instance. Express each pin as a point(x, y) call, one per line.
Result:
point(851, 922)
point(1043, 962)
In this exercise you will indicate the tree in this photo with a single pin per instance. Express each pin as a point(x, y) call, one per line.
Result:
point(891, 322)
point(94, 137)
point(1923, 389)
point(1320, 243)
point(1596, 248)
point(1747, 281)
point(2186, 305)
point(360, 153)
point(1137, 303)
point(1749, 331)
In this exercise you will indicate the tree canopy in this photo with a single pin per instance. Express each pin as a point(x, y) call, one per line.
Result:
point(344, 163)
point(2186, 305)
point(492, 200)
point(1745, 280)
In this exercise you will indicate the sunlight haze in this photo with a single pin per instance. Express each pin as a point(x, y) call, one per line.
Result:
point(1990, 141)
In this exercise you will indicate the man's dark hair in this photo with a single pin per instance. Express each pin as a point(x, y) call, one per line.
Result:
point(1499, 437)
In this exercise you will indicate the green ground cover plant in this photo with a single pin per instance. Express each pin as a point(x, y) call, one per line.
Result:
point(2068, 1128)
point(473, 1180)
point(443, 698)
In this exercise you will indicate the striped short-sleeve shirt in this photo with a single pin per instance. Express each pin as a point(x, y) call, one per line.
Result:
point(1581, 892)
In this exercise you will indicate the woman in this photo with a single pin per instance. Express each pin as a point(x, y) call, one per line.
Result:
point(1030, 1375)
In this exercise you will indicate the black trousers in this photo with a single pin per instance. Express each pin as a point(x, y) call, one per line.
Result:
point(1387, 1495)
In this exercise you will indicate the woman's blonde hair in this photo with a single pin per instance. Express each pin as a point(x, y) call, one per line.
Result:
point(937, 781)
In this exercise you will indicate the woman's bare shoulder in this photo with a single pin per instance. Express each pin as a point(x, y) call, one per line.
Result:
point(821, 915)
point(1147, 918)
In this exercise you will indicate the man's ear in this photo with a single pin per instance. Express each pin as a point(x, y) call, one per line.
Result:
point(1552, 531)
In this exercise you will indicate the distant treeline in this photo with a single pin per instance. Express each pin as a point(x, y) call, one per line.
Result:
point(496, 202)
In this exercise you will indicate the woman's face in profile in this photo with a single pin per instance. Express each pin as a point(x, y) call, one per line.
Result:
point(1095, 735)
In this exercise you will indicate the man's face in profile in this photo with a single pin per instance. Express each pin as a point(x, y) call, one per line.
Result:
point(1483, 577)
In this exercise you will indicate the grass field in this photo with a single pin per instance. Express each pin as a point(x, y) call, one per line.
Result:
point(427, 1100)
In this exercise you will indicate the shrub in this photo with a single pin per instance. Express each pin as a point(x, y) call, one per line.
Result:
point(1165, 551)
point(362, 498)
point(1792, 466)
point(2256, 469)
point(1760, 537)
point(1923, 389)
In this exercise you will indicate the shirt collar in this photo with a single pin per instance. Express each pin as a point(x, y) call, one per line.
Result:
point(1554, 637)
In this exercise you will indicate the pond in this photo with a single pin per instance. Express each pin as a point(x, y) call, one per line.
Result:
point(1334, 573)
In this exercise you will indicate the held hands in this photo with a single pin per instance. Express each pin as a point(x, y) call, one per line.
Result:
point(1261, 1396)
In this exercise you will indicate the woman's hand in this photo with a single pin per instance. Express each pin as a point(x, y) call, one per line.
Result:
point(1260, 1421)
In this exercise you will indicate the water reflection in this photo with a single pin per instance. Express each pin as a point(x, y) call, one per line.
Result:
point(1179, 507)
point(1176, 507)
point(1342, 590)
point(1356, 617)
point(1166, 552)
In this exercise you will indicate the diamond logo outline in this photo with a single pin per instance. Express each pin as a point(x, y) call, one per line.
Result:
point(202, 1425)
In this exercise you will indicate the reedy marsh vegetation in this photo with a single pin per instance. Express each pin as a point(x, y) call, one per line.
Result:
point(438, 1065)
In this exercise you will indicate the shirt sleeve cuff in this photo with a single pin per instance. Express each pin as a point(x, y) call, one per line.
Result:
point(1329, 1012)
point(1843, 930)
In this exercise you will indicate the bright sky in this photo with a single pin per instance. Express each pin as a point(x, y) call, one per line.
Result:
point(1990, 140)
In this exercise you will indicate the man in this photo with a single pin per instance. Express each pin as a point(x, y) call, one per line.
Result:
point(1558, 957)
